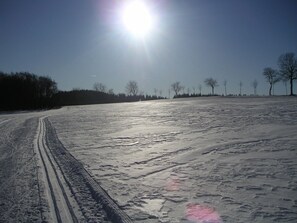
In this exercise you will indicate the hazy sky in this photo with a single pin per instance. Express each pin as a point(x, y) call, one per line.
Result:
point(81, 42)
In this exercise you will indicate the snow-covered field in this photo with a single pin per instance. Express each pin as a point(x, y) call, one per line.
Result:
point(188, 160)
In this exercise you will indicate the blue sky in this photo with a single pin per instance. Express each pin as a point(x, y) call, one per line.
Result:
point(81, 42)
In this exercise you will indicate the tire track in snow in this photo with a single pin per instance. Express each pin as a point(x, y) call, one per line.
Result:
point(60, 209)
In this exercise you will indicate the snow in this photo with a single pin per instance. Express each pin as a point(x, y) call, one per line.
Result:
point(187, 160)
point(19, 199)
point(54, 183)
point(236, 155)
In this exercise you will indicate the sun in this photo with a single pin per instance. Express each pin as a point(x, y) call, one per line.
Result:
point(137, 18)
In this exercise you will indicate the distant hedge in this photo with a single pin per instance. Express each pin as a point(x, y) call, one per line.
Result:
point(84, 97)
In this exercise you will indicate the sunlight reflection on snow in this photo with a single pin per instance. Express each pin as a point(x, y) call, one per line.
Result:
point(202, 214)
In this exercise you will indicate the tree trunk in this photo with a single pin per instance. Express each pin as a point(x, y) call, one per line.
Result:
point(270, 89)
point(212, 90)
point(291, 86)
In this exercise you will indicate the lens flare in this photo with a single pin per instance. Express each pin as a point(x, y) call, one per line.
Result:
point(202, 214)
point(173, 184)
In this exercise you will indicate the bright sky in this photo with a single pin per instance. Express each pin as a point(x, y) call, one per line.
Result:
point(81, 42)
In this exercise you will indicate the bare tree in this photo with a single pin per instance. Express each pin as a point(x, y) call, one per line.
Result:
point(132, 88)
point(99, 87)
point(183, 89)
point(47, 87)
point(288, 68)
point(210, 82)
point(160, 93)
point(110, 91)
point(155, 92)
point(271, 77)
point(225, 85)
point(194, 90)
point(240, 87)
point(188, 91)
point(176, 87)
point(169, 91)
point(200, 89)
point(255, 85)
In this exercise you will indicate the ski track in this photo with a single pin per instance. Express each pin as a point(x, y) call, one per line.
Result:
point(33, 183)
point(69, 188)
point(60, 209)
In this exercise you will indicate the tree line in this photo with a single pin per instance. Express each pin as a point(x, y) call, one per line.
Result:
point(85, 97)
point(101, 94)
point(287, 72)
point(26, 91)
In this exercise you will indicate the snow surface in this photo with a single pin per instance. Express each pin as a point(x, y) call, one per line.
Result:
point(235, 157)
point(187, 160)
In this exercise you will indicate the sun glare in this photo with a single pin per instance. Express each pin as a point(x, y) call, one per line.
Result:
point(137, 18)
